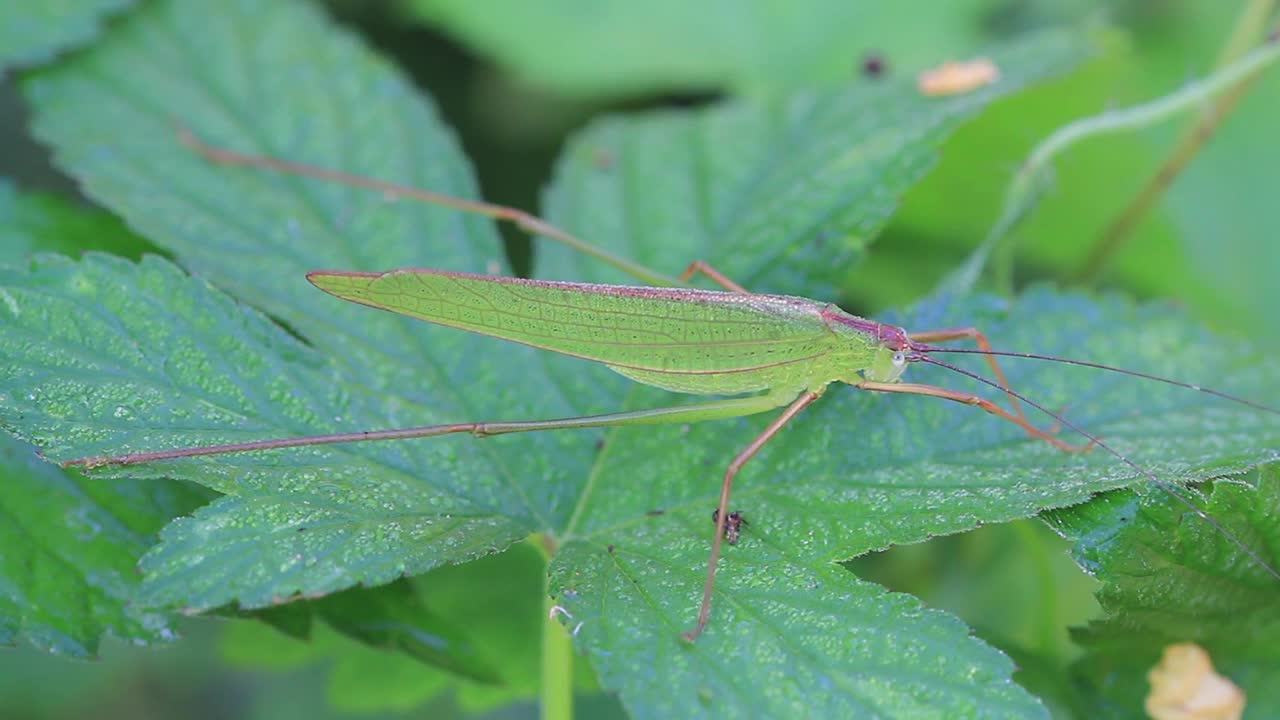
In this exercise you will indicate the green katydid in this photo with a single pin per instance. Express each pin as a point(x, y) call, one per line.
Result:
point(784, 349)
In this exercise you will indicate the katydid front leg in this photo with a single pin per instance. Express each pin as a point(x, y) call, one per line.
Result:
point(950, 334)
point(973, 401)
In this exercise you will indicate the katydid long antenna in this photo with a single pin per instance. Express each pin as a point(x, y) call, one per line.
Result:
point(921, 355)
point(1101, 366)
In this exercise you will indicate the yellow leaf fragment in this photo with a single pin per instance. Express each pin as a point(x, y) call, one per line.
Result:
point(1184, 686)
point(957, 78)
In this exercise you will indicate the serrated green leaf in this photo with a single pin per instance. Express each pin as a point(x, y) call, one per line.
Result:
point(33, 32)
point(139, 356)
point(784, 194)
point(32, 222)
point(68, 546)
point(617, 47)
point(790, 638)
point(1168, 577)
point(857, 473)
point(215, 221)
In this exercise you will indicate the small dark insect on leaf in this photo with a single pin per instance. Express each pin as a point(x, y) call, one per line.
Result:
point(732, 525)
point(656, 513)
point(874, 65)
point(610, 549)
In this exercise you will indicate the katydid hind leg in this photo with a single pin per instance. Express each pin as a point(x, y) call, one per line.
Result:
point(527, 222)
point(693, 412)
point(722, 512)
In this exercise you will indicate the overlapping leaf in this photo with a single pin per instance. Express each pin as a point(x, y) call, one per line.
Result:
point(617, 47)
point(234, 375)
point(67, 573)
point(32, 32)
point(32, 222)
point(70, 545)
point(106, 356)
point(1170, 578)
point(495, 601)
point(784, 194)
point(859, 472)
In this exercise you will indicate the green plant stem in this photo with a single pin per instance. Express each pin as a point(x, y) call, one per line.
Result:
point(1028, 182)
point(1249, 27)
point(1046, 617)
point(556, 693)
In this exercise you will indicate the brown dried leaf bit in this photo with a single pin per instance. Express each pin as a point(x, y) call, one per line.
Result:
point(1184, 686)
point(957, 78)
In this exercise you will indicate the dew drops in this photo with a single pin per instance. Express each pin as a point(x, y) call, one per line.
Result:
point(122, 412)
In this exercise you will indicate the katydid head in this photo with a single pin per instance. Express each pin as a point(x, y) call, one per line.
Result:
point(887, 366)
point(891, 356)
point(891, 348)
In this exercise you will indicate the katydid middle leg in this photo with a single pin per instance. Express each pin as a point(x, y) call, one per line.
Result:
point(526, 221)
point(722, 514)
point(701, 266)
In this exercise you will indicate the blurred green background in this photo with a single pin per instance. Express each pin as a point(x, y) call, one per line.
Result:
point(516, 78)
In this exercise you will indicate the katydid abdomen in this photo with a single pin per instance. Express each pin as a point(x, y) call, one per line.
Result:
point(701, 342)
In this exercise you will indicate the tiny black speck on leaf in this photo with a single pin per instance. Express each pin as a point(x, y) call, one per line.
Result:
point(874, 65)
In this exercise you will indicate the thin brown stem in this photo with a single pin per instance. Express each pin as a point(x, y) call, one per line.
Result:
point(1249, 30)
